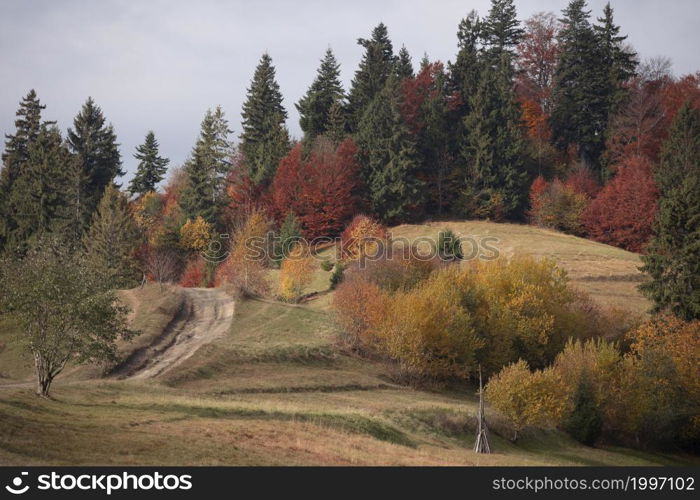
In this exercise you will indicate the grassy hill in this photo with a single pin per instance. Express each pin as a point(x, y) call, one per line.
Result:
point(277, 390)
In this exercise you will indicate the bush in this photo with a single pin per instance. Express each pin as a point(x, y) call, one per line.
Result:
point(449, 246)
point(585, 423)
point(363, 236)
point(244, 271)
point(337, 276)
point(326, 265)
point(360, 307)
point(428, 331)
point(557, 205)
point(296, 272)
point(195, 274)
point(527, 398)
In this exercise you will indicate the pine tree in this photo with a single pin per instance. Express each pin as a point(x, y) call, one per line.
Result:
point(325, 92)
point(95, 144)
point(494, 149)
point(15, 158)
point(112, 239)
point(404, 65)
point(376, 66)
point(151, 168)
point(210, 161)
point(580, 95)
point(264, 140)
point(389, 156)
point(673, 256)
point(501, 30)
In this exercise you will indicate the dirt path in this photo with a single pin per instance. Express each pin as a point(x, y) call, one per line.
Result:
point(205, 315)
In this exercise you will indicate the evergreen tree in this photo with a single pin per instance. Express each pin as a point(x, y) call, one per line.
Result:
point(15, 158)
point(40, 196)
point(325, 92)
point(580, 94)
point(388, 156)
point(465, 71)
point(404, 65)
point(95, 145)
point(585, 424)
point(264, 140)
point(673, 256)
point(494, 148)
point(376, 66)
point(210, 161)
point(336, 130)
point(151, 168)
point(112, 239)
point(501, 30)
point(619, 61)
point(289, 235)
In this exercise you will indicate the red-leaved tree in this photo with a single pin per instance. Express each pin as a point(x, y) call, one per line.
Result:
point(623, 212)
point(320, 190)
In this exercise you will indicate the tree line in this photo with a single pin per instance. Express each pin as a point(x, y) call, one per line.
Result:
point(553, 121)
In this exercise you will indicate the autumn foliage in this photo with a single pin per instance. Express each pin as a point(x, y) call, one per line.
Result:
point(363, 236)
point(623, 213)
point(296, 272)
point(320, 190)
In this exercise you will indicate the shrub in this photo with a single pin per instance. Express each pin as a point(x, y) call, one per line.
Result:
point(360, 307)
point(326, 265)
point(244, 272)
point(197, 273)
point(527, 398)
point(557, 206)
point(363, 236)
point(296, 273)
point(449, 246)
point(337, 276)
point(429, 332)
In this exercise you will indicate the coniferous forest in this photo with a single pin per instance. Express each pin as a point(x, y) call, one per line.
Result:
point(553, 121)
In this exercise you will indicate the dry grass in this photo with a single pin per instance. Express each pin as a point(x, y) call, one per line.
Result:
point(277, 390)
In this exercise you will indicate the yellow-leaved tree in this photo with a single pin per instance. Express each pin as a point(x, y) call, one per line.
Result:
point(296, 272)
point(527, 398)
point(195, 235)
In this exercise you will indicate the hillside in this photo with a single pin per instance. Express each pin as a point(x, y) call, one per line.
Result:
point(275, 389)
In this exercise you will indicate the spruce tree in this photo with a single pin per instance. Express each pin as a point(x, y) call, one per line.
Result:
point(40, 198)
point(465, 71)
point(112, 239)
point(325, 92)
point(289, 235)
point(580, 94)
point(619, 61)
point(376, 66)
point(95, 144)
point(404, 65)
point(337, 130)
point(673, 255)
point(388, 156)
point(494, 147)
point(206, 169)
point(15, 158)
point(501, 30)
point(151, 168)
point(264, 140)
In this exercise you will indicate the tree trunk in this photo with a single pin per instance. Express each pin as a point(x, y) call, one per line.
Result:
point(43, 378)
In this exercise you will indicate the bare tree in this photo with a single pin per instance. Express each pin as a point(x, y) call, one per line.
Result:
point(163, 264)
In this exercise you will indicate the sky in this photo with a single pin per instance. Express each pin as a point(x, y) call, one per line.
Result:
point(159, 65)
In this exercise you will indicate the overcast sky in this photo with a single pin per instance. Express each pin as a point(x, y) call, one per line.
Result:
point(160, 64)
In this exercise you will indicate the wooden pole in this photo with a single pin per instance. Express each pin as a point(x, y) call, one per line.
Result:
point(481, 445)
